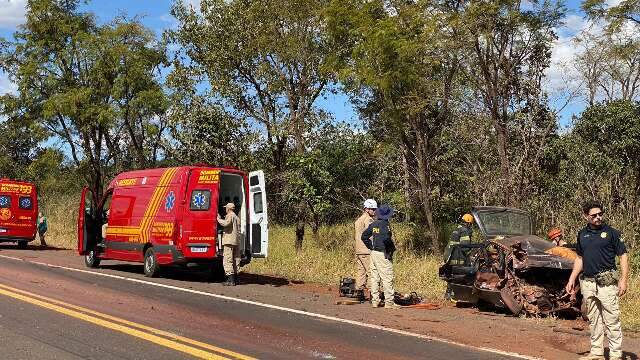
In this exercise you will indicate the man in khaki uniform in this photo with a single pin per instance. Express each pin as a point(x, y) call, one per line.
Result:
point(230, 243)
point(361, 250)
point(601, 286)
point(378, 238)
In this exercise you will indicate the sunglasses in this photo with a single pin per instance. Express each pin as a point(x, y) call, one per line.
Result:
point(596, 215)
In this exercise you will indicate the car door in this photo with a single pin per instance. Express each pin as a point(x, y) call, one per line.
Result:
point(259, 226)
point(86, 222)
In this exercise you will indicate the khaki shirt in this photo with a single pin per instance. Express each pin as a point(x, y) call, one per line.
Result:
point(361, 225)
point(231, 229)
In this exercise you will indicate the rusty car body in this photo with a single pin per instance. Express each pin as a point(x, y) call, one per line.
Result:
point(511, 268)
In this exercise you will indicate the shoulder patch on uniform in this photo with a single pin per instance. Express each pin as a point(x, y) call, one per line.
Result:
point(603, 235)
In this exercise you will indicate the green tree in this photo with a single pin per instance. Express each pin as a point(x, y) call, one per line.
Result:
point(400, 61)
point(508, 48)
point(94, 87)
point(266, 61)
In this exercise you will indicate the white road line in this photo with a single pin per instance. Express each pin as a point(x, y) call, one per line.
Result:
point(276, 307)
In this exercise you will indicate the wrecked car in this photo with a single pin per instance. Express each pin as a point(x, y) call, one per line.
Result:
point(511, 268)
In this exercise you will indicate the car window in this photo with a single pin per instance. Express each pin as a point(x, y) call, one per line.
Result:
point(504, 222)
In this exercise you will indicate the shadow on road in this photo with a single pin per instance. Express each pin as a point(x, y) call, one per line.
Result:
point(247, 278)
point(201, 275)
point(30, 247)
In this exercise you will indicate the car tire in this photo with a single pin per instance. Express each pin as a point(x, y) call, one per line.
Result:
point(22, 244)
point(151, 266)
point(510, 301)
point(91, 259)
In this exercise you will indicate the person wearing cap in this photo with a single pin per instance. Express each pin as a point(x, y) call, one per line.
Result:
point(362, 252)
point(556, 236)
point(462, 234)
point(105, 225)
point(230, 243)
point(378, 238)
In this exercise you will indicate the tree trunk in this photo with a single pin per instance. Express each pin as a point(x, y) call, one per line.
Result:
point(501, 143)
point(299, 233)
point(424, 180)
point(406, 182)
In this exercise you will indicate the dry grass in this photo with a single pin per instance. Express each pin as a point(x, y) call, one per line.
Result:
point(330, 257)
point(326, 259)
point(62, 212)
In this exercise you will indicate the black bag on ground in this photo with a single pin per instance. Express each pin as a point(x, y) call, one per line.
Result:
point(348, 287)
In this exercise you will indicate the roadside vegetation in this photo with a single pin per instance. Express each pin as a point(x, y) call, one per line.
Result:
point(451, 107)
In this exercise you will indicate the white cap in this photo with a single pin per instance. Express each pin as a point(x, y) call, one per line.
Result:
point(370, 204)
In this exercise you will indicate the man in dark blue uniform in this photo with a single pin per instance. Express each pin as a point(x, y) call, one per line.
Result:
point(382, 249)
point(601, 286)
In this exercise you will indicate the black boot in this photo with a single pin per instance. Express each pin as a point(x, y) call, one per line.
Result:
point(231, 281)
point(228, 281)
point(236, 280)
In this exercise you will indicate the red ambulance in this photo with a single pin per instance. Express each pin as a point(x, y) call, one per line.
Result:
point(167, 216)
point(18, 212)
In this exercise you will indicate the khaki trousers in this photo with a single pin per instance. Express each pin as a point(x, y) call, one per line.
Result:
point(230, 259)
point(604, 317)
point(381, 269)
point(363, 266)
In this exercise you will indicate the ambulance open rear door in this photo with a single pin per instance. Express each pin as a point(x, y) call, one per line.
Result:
point(259, 229)
point(86, 231)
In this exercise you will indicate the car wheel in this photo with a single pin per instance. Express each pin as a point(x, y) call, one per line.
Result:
point(510, 301)
point(91, 259)
point(151, 266)
point(22, 244)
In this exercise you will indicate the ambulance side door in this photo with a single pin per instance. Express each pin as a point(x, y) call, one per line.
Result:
point(86, 231)
point(259, 226)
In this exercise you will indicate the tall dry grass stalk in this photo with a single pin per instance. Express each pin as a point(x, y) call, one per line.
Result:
point(62, 212)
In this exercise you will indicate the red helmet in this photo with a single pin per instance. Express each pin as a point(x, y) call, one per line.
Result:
point(554, 233)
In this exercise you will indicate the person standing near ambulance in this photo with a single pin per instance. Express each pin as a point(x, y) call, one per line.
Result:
point(43, 226)
point(601, 286)
point(363, 254)
point(230, 243)
point(377, 237)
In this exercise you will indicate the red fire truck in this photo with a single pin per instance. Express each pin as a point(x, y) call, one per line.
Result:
point(168, 216)
point(18, 212)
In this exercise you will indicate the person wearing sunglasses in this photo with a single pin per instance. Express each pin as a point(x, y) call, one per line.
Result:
point(601, 286)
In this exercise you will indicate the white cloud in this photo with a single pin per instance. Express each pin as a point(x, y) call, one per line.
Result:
point(12, 13)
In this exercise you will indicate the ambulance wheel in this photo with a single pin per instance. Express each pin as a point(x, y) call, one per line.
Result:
point(91, 259)
point(22, 244)
point(151, 266)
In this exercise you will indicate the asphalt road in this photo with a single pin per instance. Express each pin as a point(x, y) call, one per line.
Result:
point(52, 313)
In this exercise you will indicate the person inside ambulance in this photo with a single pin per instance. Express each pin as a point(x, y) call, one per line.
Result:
point(105, 224)
point(230, 243)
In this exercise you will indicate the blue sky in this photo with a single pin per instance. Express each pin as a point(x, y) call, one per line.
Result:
point(155, 15)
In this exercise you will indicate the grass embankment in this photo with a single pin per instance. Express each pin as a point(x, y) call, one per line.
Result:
point(326, 259)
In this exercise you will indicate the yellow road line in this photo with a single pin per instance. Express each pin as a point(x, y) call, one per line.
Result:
point(66, 309)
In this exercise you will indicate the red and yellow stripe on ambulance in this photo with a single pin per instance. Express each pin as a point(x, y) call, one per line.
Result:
point(142, 233)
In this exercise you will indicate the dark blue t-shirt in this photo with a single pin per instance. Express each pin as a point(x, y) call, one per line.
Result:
point(598, 248)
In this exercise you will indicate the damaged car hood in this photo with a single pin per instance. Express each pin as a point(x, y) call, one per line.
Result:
point(529, 251)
